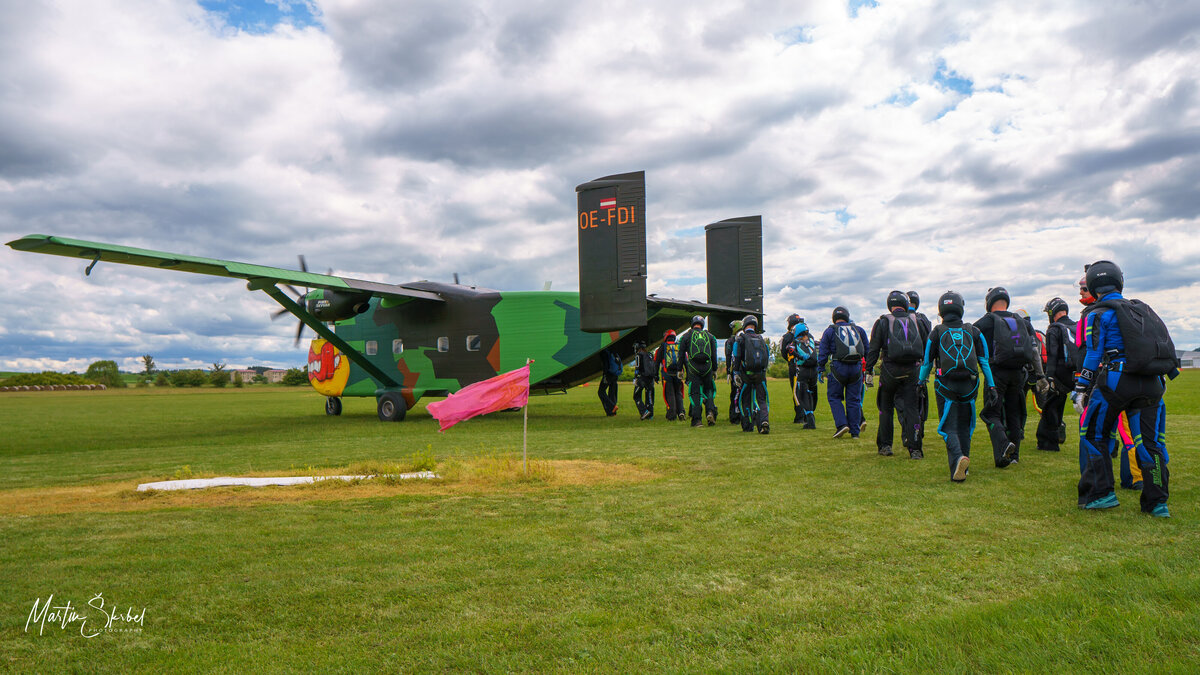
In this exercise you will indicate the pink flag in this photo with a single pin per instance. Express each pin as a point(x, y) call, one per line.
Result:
point(510, 390)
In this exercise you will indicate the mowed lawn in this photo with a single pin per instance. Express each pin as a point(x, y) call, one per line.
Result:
point(791, 552)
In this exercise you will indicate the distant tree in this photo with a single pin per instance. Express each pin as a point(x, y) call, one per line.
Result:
point(106, 373)
point(237, 379)
point(217, 376)
point(188, 378)
point(148, 365)
point(162, 379)
point(260, 379)
point(295, 377)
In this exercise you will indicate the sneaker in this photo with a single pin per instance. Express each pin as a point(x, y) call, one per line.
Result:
point(646, 415)
point(1010, 453)
point(1137, 486)
point(862, 427)
point(960, 469)
point(1108, 501)
point(886, 451)
point(916, 454)
point(712, 420)
point(841, 432)
point(765, 428)
point(1161, 511)
point(615, 409)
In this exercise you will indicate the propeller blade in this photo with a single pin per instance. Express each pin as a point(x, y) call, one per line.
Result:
point(456, 278)
point(299, 332)
point(277, 314)
point(293, 290)
point(303, 265)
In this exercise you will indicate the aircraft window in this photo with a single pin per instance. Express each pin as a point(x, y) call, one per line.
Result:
point(443, 344)
point(372, 348)
point(472, 343)
point(397, 346)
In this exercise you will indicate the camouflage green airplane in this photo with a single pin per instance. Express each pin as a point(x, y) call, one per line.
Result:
point(399, 343)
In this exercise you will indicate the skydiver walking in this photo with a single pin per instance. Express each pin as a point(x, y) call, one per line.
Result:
point(804, 356)
point(1129, 355)
point(670, 364)
point(914, 302)
point(610, 370)
point(959, 354)
point(785, 348)
point(1062, 361)
point(645, 372)
point(1010, 348)
point(699, 352)
point(735, 414)
point(751, 356)
point(898, 344)
point(843, 346)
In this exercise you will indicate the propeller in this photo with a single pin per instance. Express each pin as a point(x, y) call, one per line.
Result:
point(456, 279)
point(300, 300)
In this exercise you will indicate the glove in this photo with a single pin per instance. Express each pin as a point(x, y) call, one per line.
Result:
point(991, 398)
point(737, 381)
point(870, 379)
point(1045, 388)
point(820, 377)
point(1079, 399)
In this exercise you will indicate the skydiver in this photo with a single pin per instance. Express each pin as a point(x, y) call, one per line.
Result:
point(735, 386)
point(914, 302)
point(699, 353)
point(670, 364)
point(843, 346)
point(1010, 349)
point(898, 344)
point(804, 355)
point(1061, 360)
point(610, 370)
point(785, 343)
point(645, 372)
point(751, 356)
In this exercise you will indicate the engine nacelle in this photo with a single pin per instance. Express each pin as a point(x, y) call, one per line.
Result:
point(338, 305)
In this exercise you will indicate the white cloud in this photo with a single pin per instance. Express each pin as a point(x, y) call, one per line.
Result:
point(395, 145)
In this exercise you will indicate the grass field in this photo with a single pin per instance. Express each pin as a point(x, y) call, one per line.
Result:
point(656, 547)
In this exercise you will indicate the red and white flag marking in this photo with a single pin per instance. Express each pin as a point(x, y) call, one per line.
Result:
point(609, 203)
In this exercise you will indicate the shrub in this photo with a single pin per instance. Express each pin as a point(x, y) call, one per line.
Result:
point(295, 377)
point(44, 378)
point(106, 373)
point(162, 379)
point(188, 378)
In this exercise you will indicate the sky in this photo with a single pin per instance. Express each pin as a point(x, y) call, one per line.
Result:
point(891, 144)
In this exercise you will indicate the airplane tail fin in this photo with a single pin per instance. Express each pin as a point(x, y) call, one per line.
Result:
point(735, 271)
point(612, 252)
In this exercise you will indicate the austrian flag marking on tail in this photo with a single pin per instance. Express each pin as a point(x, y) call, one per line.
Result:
point(609, 203)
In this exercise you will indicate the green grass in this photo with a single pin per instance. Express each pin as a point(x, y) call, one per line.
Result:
point(787, 553)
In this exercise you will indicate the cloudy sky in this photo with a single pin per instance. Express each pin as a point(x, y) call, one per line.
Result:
point(910, 144)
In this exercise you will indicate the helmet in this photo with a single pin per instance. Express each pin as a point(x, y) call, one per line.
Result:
point(951, 304)
point(1103, 276)
point(669, 336)
point(1085, 296)
point(1054, 306)
point(897, 300)
point(698, 321)
point(749, 321)
point(638, 344)
point(913, 299)
point(994, 295)
point(735, 326)
point(800, 329)
point(841, 314)
point(793, 320)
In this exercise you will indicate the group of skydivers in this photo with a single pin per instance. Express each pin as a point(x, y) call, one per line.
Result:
point(1112, 365)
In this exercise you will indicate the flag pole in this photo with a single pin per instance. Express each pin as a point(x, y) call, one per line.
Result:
point(525, 432)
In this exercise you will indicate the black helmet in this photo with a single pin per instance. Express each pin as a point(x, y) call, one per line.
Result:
point(841, 314)
point(698, 321)
point(1054, 306)
point(750, 320)
point(793, 320)
point(1103, 276)
point(897, 300)
point(914, 299)
point(995, 294)
point(951, 304)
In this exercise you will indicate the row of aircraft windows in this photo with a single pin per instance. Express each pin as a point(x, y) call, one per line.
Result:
point(443, 345)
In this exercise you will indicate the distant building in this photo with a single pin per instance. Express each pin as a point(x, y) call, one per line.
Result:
point(274, 376)
point(1188, 359)
point(247, 375)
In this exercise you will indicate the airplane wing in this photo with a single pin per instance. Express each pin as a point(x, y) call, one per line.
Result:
point(126, 255)
point(719, 316)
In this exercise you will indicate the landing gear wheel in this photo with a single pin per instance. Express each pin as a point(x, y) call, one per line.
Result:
point(333, 406)
point(391, 407)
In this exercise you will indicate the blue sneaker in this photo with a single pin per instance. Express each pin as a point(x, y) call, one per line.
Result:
point(1108, 501)
point(1161, 511)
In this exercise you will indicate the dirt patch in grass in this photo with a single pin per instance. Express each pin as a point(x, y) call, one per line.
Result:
point(458, 477)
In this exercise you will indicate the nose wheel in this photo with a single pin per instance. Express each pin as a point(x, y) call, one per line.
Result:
point(391, 407)
point(333, 406)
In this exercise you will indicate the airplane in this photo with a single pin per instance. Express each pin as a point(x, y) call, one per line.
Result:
point(401, 342)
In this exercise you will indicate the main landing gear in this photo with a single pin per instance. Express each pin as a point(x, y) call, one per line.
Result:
point(391, 407)
point(333, 405)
